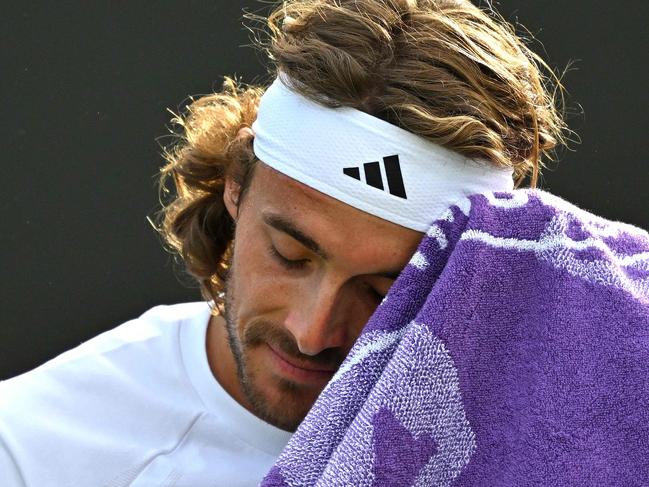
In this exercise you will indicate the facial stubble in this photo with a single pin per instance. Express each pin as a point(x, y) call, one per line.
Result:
point(294, 400)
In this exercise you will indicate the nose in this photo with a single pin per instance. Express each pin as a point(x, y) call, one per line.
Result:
point(316, 320)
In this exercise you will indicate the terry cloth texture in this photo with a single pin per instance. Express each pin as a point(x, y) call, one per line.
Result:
point(513, 350)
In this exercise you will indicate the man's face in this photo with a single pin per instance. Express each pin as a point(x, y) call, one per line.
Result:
point(307, 272)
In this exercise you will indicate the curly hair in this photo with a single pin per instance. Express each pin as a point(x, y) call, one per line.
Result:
point(446, 70)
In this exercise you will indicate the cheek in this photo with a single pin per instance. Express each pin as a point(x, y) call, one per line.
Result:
point(356, 308)
point(261, 287)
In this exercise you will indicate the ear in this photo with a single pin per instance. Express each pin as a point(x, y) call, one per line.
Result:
point(232, 190)
point(231, 193)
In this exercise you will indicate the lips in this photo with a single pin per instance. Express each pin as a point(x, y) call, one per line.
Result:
point(304, 365)
point(298, 370)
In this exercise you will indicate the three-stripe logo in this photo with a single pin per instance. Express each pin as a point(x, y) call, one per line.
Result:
point(373, 178)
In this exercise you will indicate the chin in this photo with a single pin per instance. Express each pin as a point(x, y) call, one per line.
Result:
point(279, 402)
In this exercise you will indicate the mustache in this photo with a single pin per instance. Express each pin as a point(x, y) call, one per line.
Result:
point(260, 332)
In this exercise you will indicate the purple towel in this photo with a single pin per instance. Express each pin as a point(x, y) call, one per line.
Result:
point(512, 350)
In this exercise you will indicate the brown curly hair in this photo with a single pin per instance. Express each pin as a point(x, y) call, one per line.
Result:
point(447, 70)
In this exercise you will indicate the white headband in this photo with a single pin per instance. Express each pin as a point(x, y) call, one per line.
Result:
point(364, 161)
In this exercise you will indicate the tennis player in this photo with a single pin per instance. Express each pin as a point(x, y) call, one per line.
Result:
point(296, 205)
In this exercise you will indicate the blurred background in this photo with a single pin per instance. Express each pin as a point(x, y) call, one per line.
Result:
point(85, 92)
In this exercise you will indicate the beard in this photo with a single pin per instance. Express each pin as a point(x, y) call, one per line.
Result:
point(288, 402)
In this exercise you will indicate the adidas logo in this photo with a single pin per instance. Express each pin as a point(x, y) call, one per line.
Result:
point(373, 178)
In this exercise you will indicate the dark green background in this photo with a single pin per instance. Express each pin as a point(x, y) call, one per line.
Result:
point(85, 92)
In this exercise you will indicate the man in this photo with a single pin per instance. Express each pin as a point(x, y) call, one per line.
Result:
point(295, 212)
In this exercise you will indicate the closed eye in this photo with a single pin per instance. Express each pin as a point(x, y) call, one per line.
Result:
point(287, 263)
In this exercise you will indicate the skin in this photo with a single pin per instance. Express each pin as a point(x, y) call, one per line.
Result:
point(293, 313)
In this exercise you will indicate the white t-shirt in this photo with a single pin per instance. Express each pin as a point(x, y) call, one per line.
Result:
point(135, 406)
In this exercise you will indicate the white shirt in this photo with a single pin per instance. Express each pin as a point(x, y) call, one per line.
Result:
point(135, 406)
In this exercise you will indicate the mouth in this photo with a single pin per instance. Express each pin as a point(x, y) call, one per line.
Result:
point(300, 371)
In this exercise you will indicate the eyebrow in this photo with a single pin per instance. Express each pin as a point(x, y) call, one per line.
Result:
point(284, 225)
point(287, 226)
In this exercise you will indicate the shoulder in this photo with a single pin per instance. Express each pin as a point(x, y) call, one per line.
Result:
point(153, 334)
point(105, 399)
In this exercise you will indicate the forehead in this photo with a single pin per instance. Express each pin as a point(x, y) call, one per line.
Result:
point(337, 225)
